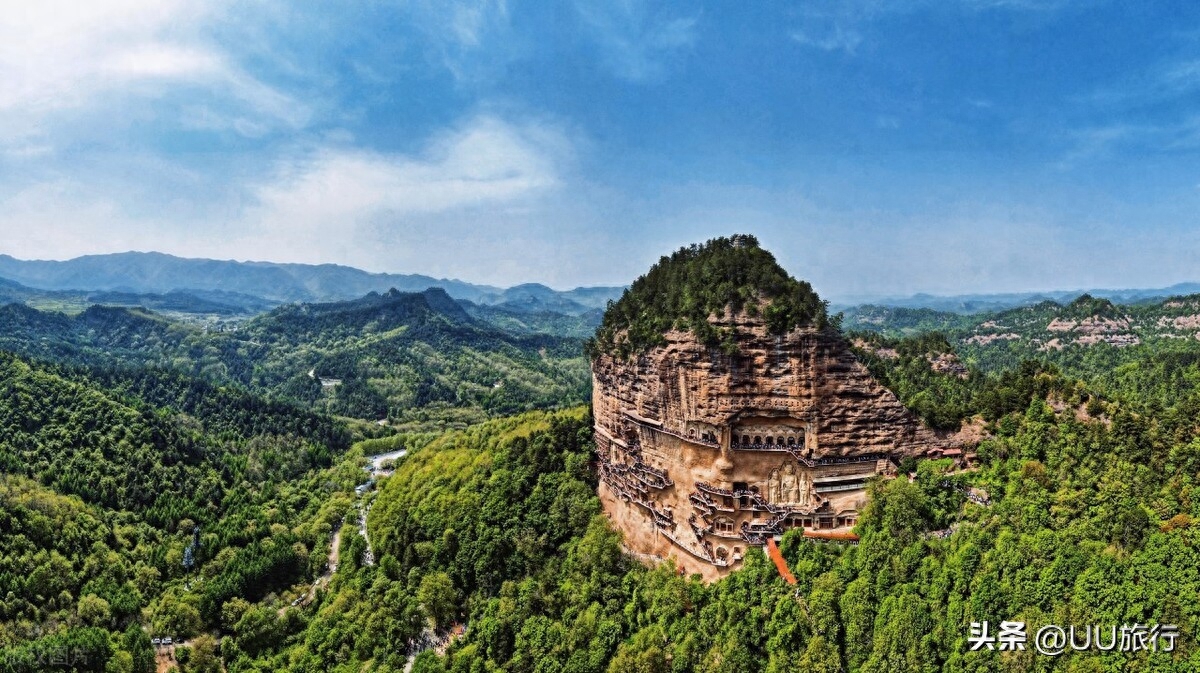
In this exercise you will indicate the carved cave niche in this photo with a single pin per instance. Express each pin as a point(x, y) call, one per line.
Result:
point(767, 432)
point(723, 525)
point(701, 431)
point(790, 485)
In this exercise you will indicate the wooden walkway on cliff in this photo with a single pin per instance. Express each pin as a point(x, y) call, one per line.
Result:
point(780, 563)
point(819, 535)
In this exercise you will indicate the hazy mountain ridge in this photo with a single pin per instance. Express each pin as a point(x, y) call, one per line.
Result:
point(194, 302)
point(581, 326)
point(158, 273)
point(393, 355)
point(999, 301)
point(1085, 336)
point(1172, 317)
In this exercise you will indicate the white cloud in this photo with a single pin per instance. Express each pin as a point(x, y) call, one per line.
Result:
point(57, 56)
point(55, 53)
point(469, 20)
point(161, 60)
point(480, 201)
point(844, 25)
point(487, 161)
point(839, 26)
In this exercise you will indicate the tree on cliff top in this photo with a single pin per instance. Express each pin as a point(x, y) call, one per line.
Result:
point(683, 290)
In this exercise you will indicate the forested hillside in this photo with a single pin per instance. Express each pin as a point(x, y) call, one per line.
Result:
point(164, 479)
point(228, 503)
point(407, 355)
point(1076, 519)
point(419, 359)
point(695, 282)
point(141, 503)
point(157, 479)
point(1141, 353)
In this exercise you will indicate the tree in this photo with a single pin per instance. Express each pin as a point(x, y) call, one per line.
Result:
point(438, 598)
point(141, 650)
point(94, 610)
point(205, 655)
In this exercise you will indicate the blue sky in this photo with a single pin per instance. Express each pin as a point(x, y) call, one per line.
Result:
point(878, 148)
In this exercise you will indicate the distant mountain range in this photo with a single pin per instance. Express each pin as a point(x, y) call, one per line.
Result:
point(164, 282)
point(140, 273)
point(1087, 334)
point(418, 358)
point(983, 303)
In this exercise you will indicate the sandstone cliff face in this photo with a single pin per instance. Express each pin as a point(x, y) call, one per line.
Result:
point(703, 454)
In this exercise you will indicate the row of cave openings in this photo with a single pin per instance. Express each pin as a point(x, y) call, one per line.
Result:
point(771, 441)
point(757, 440)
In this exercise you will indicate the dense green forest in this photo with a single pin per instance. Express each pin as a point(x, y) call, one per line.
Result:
point(158, 479)
point(682, 291)
point(1089, 521)
point(497, 527)
point(416, 359)
point(925, 373)
point(138, 503)
point(1142, 354)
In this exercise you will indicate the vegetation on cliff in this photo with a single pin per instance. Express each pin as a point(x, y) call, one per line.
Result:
point(148, 489)
point(944, 398)
point(492, 526)
point(1142, 354)
point(1091, 489)
point(683, 290)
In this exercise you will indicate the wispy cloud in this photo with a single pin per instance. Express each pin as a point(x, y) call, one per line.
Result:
point(1102, 142)
point(1019, 5)
point(60, 56)
point(472, 39)
point(1164, 83)
point(636, 44)
point(333, 202)
point(486, 160)
point(844, 25)
point(1147, 111)
point(836, 38)
point(1181, 78)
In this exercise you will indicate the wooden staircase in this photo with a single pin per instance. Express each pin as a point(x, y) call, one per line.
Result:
point(778, 560)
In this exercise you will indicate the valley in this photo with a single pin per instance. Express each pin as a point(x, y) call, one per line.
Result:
point(406, 481)
point(506, 336)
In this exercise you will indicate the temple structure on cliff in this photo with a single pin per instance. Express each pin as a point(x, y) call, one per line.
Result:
point(703, 454)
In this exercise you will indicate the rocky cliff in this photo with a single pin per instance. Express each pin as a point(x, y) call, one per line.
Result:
point(807, 382)
point(717, 437)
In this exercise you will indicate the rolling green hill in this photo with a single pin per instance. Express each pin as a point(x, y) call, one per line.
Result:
point(410, 356)
point(413, 358)
point(695, 282)
point(148, 498)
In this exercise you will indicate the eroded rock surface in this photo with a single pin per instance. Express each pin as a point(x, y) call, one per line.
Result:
point(703, 454)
